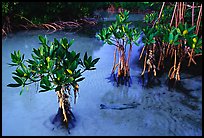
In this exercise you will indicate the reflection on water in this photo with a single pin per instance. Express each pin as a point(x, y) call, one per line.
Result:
point(159, 111)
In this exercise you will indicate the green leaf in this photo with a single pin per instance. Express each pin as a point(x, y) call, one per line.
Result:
point(181, 27)
point(64, 43)
point(199, 42)
point(176, 43)
point(13, 64)
point(186, 26)
point(31, 61)
point(58, 88)
point(12, 56)
point(45, 87)
point(43, 90)
point(95, 61)
point(24, 68)
point(59, 73)
point(18, 80)
point(99, 36)
point(69, 80)
point(80, 79)
point(85, 56)
point(153, 41)
point(42, 39)
point(73, 66)
point(89, 59)
point(198, 51)
point(22, 57)
point(91, 68)
point(109, 42)
point(18, 54)
point(51, 50)
point(86, 63)
point(13, 85)
point(71, 42)
point(191, 28)
point(45, 80)
point(41, 50)
point(77, 74)
point(178, 31)
point(77, 56)
point(16, 74)
point(176, 38)
point(136, 43)
point(73, 54)
point(20, 72)
point(171, 37)
point(37, 52)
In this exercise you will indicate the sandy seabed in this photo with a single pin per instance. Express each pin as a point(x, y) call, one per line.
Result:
point(159, 112)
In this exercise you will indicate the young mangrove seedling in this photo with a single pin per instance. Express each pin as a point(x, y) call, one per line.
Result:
point(120, 35)
point(55, 68)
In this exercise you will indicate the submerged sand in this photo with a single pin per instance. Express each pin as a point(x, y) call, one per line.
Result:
point(159, 112)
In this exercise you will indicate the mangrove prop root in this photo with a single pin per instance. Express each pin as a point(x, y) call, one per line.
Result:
point(159, 15)
point(177, 73)
point(114, 62)
point(191, 58)
point(144, 65)
point(59, 25)
point(199, 19)
point(193, 14)
point(141, 53)
point(64, 105)
point(22, 17)
point(167, 50)
point(170, 71)
point(174, 67)
point(154, 70)
point(76, 89)
point(123, 72)
point(149, 65)
point(161, 11)
point(3, 33)
point(49, 26)
point(172, 52)
point(160, 59)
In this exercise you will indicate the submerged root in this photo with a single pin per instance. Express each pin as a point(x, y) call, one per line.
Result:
point(120, 80)
point(59, 117)
point(64, 116)
point(149, 81)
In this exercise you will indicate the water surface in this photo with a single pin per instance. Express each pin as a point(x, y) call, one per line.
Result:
point(159, 111)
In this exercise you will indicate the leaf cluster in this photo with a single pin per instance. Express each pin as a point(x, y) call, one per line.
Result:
point(52, 65)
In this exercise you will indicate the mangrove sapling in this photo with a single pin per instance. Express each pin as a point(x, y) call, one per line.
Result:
point(120, 35)
point(149, 52)
point(173, 42)
point(180, 48)
point(55, 68)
